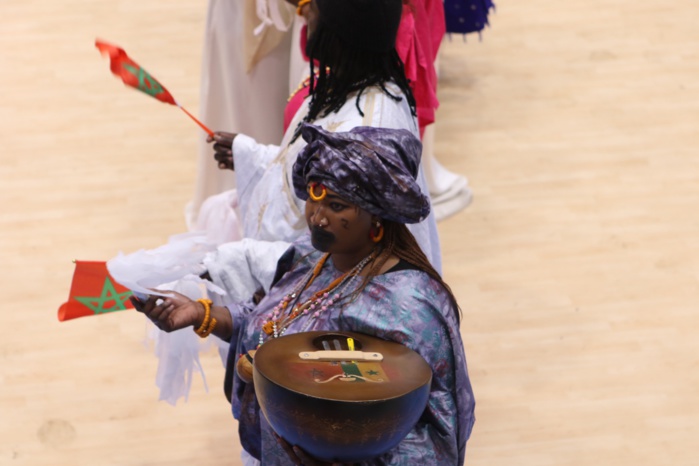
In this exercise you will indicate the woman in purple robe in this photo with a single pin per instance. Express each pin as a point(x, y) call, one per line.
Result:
point(359, 270)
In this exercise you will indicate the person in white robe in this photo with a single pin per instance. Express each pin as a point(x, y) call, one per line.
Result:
point(245, 82)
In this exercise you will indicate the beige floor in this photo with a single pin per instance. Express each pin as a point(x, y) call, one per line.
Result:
point(577, 266)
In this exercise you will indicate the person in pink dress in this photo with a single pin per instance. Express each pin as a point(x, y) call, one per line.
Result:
point(419, 37)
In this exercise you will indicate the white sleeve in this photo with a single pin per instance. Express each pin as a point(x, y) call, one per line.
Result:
point(243, 267)
point(250, 161)
point(240, 268)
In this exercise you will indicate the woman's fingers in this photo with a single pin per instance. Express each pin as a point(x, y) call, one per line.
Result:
point(223, 148)
point(225, 164)
point(224, 136)
point(221, 136)
point(171, 312)
point(155, 312)
point(223, 158)
point(224, 161)
point(155, 306)
point(144, 306)
point(287, 448)
point(137, 303)
point(164, 315)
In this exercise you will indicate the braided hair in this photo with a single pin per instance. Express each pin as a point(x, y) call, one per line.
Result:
point(398, 241)
point(344, 69)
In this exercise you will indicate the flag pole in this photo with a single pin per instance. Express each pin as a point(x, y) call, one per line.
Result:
point(201, 125)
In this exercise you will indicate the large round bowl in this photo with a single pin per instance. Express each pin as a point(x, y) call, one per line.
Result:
point(345, 410)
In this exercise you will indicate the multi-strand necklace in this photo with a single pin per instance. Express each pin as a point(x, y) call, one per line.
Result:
point(279, 319)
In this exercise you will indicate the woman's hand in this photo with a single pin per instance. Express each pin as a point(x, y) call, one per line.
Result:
point(300, 457)
point(223, 149)
point(171, 313)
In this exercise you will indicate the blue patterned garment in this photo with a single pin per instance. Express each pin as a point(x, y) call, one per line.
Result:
point(465, 16)
point(405, 306)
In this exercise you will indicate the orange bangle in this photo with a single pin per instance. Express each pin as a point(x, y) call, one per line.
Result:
point(205, 323)
point(209, 329)
point(300, 5)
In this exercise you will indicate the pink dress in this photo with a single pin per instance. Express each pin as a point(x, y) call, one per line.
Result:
point(419, 37)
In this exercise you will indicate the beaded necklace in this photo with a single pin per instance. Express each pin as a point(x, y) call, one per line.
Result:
point(277, 322)
point(305, 83)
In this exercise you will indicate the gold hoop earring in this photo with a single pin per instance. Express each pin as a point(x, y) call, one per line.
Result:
point(312, 194)
point(376, 237)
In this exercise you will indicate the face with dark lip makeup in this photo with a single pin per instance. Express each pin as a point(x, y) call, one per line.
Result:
point(338, 226)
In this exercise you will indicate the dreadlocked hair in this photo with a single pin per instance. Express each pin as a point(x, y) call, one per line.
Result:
point(400, 242)
point(343, 70)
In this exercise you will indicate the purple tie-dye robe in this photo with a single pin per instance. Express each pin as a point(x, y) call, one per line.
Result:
point(405, 306)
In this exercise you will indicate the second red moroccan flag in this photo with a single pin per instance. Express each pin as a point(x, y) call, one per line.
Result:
point(134, 76)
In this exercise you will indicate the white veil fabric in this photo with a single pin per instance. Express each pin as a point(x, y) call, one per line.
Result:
point(235, 269)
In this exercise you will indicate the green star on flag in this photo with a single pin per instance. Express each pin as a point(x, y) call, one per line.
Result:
point(146, 83)
point(93, 292)
point(98, 304)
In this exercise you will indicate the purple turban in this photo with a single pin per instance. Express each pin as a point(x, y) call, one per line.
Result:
point(374, 168)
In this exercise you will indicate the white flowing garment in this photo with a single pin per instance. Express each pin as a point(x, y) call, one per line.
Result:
point(244, 84)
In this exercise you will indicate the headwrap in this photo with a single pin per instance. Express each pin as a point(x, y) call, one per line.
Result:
point(367, 24)
point(374, 168)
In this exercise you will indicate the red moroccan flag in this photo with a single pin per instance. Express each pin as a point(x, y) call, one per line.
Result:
point(133, 75)
point(93, 292)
